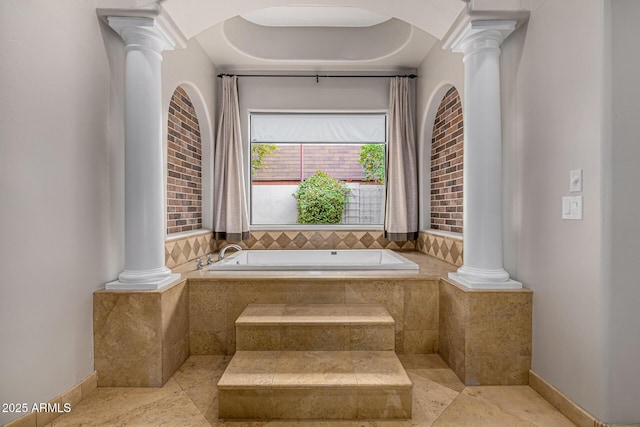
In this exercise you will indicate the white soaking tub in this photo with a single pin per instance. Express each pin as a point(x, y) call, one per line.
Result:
point(341, 259)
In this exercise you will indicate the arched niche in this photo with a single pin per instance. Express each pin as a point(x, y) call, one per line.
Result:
point(189, 146)
point(446, 160)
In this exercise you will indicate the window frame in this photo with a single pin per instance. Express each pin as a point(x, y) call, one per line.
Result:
point(315, 227)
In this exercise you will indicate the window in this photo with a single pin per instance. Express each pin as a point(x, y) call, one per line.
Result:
point(296, 159)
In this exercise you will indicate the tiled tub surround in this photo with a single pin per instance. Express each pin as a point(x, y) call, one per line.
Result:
point(320, 239)
point(485, 335)
point(445, 246)
point(140, 337)
point(215, 304)
point(184, 248)
point(217, 298)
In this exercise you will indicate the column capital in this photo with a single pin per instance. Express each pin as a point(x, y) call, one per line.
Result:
point(142, 33)
point(480, 35)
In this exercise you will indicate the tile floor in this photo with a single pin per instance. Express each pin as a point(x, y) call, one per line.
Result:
point(189, 398)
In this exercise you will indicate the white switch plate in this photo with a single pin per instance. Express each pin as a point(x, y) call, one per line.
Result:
point(575, 180)
point(572, 207)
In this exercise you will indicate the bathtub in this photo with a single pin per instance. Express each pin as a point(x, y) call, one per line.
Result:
point(341, 259)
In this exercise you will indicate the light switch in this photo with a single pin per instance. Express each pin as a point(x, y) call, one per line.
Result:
point(572, 207)
point(575, 180)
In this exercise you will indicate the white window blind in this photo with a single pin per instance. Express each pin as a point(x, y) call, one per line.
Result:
point(323, 128)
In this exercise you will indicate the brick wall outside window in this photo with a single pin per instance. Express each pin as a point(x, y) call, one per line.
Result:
point(338, 161)
point(446, 165)
point(184, 166)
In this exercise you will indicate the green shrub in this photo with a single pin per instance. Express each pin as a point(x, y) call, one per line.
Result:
point(321, 199)
point(372, 161)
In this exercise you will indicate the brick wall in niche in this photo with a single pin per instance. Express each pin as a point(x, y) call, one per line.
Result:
point(184, 166)
point(446, 165)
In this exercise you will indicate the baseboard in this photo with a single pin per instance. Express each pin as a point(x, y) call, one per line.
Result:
point(566, 406)
point(60, 403)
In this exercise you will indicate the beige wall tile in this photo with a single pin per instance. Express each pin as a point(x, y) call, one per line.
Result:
point(388, 293)
point(420, 341)
point(255, 338)
point(452, 326)
point(129, 371)
point(383, 403)
point(315, 293)
point(211, 342)
point(421, 305)
point(326, 404)
point(215, 305)
point(245, 404)
point(126, 324)
point(140, 338)
point(208, 306)
point(485, 336)
point(498, 338)
point(175, 328)
point(497, 369)
point(128, 338)
point(319, 338)
point(377, 338)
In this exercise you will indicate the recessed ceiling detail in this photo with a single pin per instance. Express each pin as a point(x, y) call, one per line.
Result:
point(314, 16)
point(317, 43)
point(237, 44)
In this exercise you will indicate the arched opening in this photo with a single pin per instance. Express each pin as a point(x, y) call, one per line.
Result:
point(184, 165)
point(447, 165)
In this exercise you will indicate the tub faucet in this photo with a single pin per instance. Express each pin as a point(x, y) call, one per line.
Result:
point(224, 250)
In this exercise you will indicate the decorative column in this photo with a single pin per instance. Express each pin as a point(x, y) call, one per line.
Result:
point(144, 266)
point(483, 265)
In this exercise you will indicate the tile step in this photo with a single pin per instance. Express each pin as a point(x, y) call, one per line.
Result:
point(327, 327)
point(314, 385)
point(314, 314)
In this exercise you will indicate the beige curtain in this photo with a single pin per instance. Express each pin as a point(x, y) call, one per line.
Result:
point(230, 220)
point(401, 210)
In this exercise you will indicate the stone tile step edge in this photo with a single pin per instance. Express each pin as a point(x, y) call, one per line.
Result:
point(314, 315)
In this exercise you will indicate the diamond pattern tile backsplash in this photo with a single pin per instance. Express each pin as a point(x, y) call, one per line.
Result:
point(448, 249)
point(360, 239)
point(181, 251)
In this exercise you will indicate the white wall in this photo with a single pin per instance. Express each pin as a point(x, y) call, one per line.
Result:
point(192, 69)
point(552, 91)
point(623, 204)
point(62, 183)
point(439, 71)
point(61, 215)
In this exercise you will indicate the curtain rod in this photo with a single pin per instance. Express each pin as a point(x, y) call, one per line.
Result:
point(317, 76)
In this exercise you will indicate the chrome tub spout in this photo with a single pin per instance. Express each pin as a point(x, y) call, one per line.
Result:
point(224, 250)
